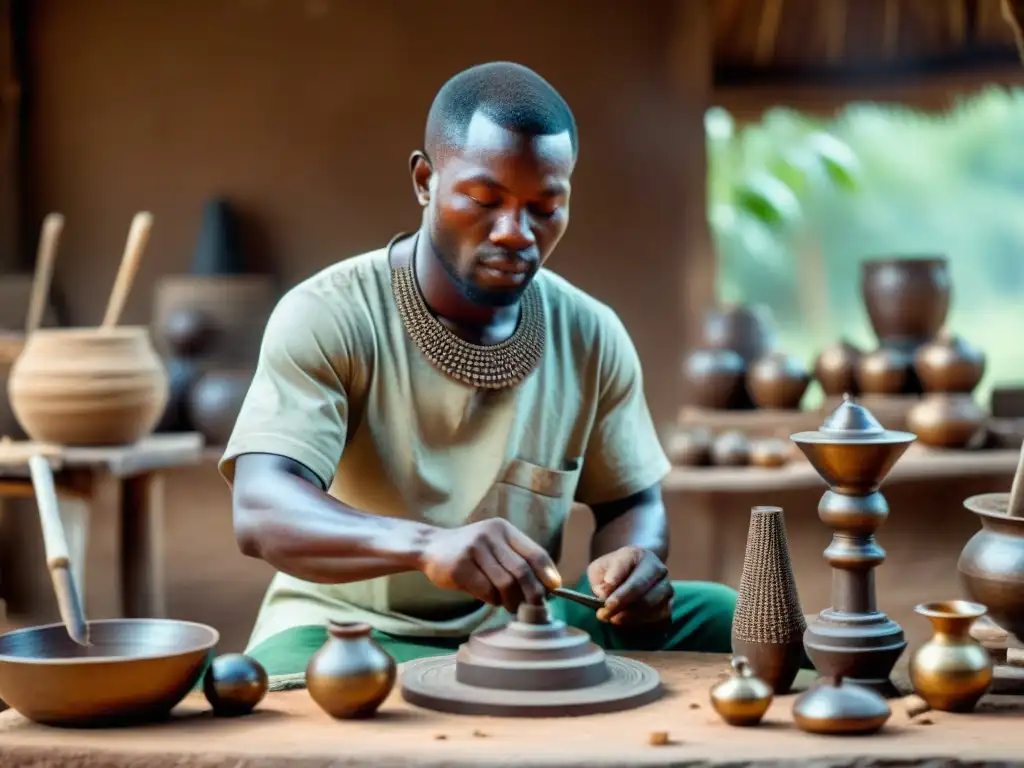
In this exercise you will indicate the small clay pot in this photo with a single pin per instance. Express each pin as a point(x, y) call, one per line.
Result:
point(886, 371)
point(351, 675)
point(747, 330)
point(689, 448)
point(836, 369)
point(715, 378)
point(946, 421)
point(949, 364)
point(730, 449)
point(769, 452)
point(215, 401)
point(778, 381)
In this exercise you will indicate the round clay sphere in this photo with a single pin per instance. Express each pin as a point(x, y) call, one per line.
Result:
point(234, 684)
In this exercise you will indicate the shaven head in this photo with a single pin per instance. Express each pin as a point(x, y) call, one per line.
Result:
point(510, 95)
point(494, 179)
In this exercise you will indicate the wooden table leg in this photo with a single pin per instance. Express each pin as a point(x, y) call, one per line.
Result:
point(142, 547)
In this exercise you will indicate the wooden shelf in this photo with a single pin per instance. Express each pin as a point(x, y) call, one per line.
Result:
point(918, 463)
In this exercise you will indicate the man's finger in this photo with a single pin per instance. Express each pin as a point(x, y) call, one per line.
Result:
point(500, 578)
point(472, 580)
point(647, 573)
point(535, 556)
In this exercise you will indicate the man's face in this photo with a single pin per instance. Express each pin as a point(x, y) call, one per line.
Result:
point(497, 207)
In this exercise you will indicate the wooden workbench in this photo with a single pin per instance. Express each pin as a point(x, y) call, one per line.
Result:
point(289, 731)
point(128, 480)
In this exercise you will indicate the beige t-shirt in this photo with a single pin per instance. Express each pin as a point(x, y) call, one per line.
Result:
point(341, 388)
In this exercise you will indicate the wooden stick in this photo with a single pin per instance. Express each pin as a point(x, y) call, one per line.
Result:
point(46, 255)
point(56, 545)
point(138, 236)
point(1015, 507)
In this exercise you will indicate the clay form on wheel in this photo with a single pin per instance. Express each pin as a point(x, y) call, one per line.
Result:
point(534, 667)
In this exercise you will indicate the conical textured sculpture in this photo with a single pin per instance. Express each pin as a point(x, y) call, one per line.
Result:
point(768, 627)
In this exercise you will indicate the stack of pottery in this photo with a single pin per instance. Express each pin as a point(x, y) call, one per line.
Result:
point(699, 447)
point(209, 324)
point(738, 368)
point(949, 368)
point(907, 300)
point(734, 337)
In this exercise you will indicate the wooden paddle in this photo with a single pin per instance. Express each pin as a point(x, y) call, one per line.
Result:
point(46, 255)
point(138, 237)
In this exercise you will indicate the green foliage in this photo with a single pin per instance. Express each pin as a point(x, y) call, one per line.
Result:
point(877, 180)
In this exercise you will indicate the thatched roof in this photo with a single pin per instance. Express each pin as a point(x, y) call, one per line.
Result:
point(787, 41)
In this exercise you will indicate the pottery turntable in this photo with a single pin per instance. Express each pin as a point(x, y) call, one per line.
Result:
point(535, 666)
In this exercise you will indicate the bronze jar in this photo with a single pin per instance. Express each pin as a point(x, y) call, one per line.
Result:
point(946, 421)
point(747, 330)
point(949, 364)
point(351, 675)
point(952, 671)
point(777, 381)
point(991, 564)
point(907, 299)
point(887, 371)
point(715, 378)
point(836, 369)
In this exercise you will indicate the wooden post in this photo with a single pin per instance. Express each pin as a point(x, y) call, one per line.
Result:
point(690, 65)
point(10, 141)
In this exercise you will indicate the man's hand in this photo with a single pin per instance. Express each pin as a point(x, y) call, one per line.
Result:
point(635, 587)
point(492, 561)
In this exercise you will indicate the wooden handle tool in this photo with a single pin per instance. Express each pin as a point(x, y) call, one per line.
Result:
point(590, 601)
point(57, 557)
point(138, 236)
point(46, 255)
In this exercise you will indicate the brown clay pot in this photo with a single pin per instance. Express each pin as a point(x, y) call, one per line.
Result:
point(946, 420)
point(948, 363)
point(836, 369)
point(777, 381)
point(769, 452)
point(351, 675)
point(907, 299)
point(715, 378)
point(215, 401)
point(747, 330)
point(886, 371)
point(88, 386)
point(689, 448)
point(730, 449)
point(991, 564)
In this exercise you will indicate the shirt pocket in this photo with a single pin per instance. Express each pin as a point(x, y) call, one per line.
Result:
point(534, 499)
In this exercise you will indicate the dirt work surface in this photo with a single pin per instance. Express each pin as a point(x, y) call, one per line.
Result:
point(288, 730)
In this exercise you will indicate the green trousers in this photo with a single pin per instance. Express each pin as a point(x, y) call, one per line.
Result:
point(701, 621)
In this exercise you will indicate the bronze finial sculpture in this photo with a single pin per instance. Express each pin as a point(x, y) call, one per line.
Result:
point(853, 453)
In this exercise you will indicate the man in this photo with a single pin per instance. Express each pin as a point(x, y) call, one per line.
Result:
point(423, 416)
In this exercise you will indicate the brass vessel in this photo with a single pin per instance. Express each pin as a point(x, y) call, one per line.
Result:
point(949, 363)
point(952, 671)
point(836, 369)
point(839, 708)
point(778, 381)
point(769, 452)
point(946, 420)
point(744, 698)
point(689, 447)
point(731, 449)
point(351, 675)
point(234, 684)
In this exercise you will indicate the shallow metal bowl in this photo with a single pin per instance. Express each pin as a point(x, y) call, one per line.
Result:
point(136, 670)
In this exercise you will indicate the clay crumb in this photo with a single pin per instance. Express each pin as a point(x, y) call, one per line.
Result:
point(694, 705)
point(440, 737)
point(658, 739)
point(915, 706)
point(925, 721)
point(479, 734)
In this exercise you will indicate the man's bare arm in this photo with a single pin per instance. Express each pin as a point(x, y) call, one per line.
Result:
point(282, 515)
point(636, 521)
